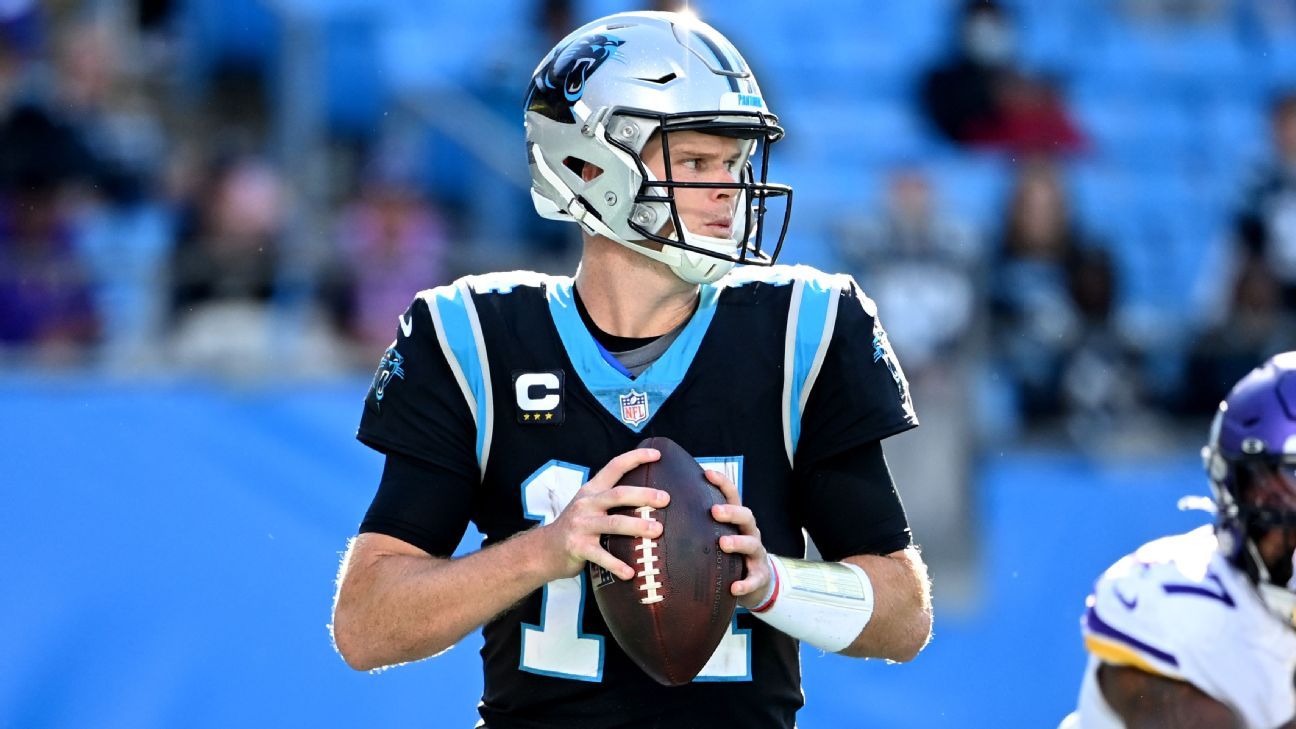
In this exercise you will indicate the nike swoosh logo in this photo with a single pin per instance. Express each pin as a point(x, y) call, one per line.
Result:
point(406, 324)
point(1129, 603)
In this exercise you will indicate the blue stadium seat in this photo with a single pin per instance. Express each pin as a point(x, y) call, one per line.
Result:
point(1179, 60)
point(1235, 135)
point(856, 132)
point(973, 187)
point(459, 43)
point(242, 33)
point(1102, 199)
point(823, 194)
point(355, 90)
point(874, 49)
point(1053, 38)
point(1135, 129)
point(1277, 63)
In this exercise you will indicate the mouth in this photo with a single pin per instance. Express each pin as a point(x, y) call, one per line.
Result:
point(719, 228)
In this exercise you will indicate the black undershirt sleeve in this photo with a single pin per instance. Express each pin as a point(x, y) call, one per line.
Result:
point(849, 504)
point(421, 503)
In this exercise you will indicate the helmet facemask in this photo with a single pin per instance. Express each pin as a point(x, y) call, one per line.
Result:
point(1251, 461)
point(656, 216)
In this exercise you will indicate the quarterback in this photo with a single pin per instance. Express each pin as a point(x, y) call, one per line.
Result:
point(1199, 629)
point(515, 401)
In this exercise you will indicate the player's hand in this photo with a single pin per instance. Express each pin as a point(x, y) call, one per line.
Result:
point(752, 588)
point(573, 538)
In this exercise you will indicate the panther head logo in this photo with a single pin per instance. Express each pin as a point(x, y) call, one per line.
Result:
point(390, 367)
point(560, 82)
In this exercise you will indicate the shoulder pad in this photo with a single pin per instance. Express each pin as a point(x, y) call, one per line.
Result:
point(504, 282)
point(781, 275)
point(1157, 608)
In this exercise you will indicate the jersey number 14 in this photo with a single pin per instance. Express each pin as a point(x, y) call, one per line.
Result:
point(557, 647)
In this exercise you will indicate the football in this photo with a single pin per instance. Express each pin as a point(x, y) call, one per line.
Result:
point(672, 615)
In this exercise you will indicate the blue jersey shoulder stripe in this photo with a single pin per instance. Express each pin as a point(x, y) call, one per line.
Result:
point(459, 332)
point(812, 318)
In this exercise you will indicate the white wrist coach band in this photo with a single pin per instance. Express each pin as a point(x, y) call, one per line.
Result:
point(825, 604)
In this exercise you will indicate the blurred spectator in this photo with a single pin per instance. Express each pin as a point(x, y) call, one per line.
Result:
point(979, 97)
point(1053, 301)
point(107, 110)
point(45, 302)
point(922, 267)
point(1266, 224)
point(231, 253)
point(84, 124)
point(392, 244)
point(1253, 327)
point(224, 269)
point(1101, 383)
point(32, 138)
point(1032, 308)
point(123, 230)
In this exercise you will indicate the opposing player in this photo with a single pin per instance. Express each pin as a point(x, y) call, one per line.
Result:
point(516, 401)
point(1199, 630)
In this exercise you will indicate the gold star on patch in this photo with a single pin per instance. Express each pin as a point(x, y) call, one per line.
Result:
point(548, 416)
point(526, 416)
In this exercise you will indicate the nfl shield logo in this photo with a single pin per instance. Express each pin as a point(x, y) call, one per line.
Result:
point(634, 407)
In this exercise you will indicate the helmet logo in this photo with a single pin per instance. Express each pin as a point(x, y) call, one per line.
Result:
point(1252, 446)
point(560, 82)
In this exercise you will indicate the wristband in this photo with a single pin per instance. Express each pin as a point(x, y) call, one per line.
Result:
point(825, 604)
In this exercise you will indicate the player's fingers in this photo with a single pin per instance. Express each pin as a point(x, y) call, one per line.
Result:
point(739, 516)
point(756, 580)
point(747, 586)
point(740, 544)
point(604, 559)
point(630, 496)
point(611, 474)
point(630, 526)
point(722, 482)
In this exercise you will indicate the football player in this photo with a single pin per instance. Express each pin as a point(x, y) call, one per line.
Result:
point(1199, 629)
point(515, 401)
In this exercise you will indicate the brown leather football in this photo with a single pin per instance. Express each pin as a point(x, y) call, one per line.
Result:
point(672, 615)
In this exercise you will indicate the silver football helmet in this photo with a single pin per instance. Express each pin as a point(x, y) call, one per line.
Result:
point(599, 97)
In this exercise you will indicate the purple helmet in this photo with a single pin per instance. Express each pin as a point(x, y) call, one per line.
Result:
point(1251, 460)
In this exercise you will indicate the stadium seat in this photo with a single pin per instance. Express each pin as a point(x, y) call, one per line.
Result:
point(856, 132)
point(240, 33)
point(355, 91)
point(1135, 129)
point(1181, 60)
point(973, 187)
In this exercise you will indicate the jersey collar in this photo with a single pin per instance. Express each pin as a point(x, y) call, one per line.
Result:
point(633, 402)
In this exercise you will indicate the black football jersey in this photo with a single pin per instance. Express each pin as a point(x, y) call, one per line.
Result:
point(496, 381)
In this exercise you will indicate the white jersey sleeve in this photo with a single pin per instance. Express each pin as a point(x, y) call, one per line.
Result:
point(1178, 609)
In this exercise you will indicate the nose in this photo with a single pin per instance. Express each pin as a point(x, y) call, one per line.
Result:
point(723, 193)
